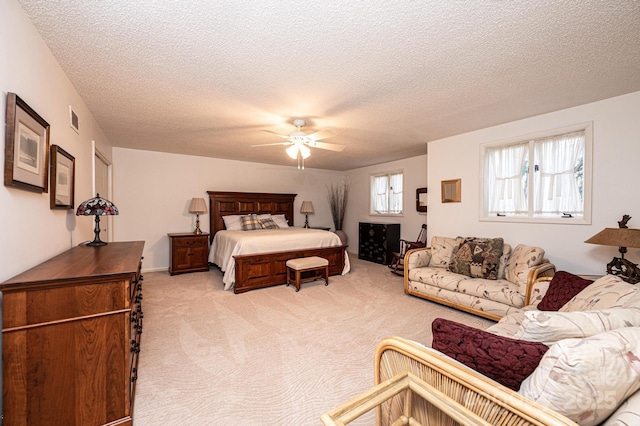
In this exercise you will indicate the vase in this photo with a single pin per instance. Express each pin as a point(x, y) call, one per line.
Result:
point(342, 235)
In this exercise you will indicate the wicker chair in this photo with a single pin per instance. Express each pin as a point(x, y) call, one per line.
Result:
point(416, 385)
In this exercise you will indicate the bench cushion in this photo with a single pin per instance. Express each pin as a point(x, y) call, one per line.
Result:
point(306, 263)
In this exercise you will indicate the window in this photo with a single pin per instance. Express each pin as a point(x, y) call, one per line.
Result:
point(386, 193)
point(540, 178)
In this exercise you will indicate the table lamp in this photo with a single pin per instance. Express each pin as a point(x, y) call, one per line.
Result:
point(197, 206)
point(306, 208)
point(97, 206)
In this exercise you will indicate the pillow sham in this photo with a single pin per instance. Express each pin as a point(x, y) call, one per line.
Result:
point(477, 257)
point(587, 379)
point(280, 220)
point(521, 260)
point(232, 222)
point(268, 223)
point(551, 327)
point(250, 222)
point(507, 361)
point(562, 288)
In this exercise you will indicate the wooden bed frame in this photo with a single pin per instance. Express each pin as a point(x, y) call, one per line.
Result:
point(265, 269)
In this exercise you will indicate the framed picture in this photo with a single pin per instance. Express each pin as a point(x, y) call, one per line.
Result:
point(63, 174)
point(26, 149)
point(451, 191)
point(421, 200)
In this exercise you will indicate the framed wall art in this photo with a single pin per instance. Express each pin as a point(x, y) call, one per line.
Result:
point(451, 191)
point(26, 152)
point(63, 175)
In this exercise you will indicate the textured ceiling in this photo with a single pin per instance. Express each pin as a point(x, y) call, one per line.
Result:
point(203, 78)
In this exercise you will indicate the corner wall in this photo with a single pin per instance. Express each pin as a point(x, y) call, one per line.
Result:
point(616, 159)
point(32, 232)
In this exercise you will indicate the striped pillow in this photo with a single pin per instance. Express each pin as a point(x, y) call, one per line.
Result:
point(250, 222)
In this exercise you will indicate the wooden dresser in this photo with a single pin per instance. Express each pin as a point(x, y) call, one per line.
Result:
point(71, 331)
point(378, 241)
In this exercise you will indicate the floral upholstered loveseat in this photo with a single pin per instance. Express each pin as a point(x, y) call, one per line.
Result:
point(482, 276)
point(576, 352)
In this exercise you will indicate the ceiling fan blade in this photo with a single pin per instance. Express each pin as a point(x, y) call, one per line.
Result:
point(272, 144)
point(277, 134)
point(322, 134)
point(329, 146)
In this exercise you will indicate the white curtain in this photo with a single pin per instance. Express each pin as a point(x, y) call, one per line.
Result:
point(504, 181)
point(379, 187)
point(555, 183)
point(395, 193)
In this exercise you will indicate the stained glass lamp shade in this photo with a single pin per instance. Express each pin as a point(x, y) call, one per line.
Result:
point(97, 206)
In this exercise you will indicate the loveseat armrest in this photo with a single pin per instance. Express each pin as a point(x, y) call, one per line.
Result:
point(493, 402)
point(545, 269)
point(417, 258)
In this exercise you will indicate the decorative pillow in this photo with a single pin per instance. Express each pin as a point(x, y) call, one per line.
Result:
point(521, 260)
point(628, 413)
point(280, 220)
point(587, 379)
point(268, 223)
point(562, 288)
point(477, 257)
point(606, 292)
point(232, 222)
point(250, 222)
point(503, 359)
point(506, 252)
point(551, 327)
point(441, 249)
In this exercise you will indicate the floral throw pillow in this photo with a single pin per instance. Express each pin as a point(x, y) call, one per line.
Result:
point(441, 249)
point(477, 257)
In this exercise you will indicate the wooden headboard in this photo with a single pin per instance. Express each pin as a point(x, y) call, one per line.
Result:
point(231, 203)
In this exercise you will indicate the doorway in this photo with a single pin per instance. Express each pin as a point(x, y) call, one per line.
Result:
point(102, 185)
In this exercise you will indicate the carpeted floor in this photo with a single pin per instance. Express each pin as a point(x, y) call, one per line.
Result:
point(270, 356)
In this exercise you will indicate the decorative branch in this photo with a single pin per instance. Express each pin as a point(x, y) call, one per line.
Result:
point(337, 194)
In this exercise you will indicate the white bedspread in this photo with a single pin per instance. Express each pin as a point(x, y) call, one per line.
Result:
point(227, 244)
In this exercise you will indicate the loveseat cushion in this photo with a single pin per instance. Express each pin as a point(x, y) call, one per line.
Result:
point(505, 360)
point(608, 291)
point(587, 379)
point(551, 327)
point(562, 288)
point(477, 257)
point(520, 262)
point(441, 249)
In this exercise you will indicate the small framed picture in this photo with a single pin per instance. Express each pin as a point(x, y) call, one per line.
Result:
point(451, 191)
point(63, 171)
point(26, 160)
point(73, 120)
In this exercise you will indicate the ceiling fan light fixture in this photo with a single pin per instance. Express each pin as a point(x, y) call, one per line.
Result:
point(292, 151)
point(304, 151)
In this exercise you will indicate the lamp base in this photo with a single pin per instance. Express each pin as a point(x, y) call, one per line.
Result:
point(96, 240)
point(197, 230)
point(306, 220)
point(626, 270)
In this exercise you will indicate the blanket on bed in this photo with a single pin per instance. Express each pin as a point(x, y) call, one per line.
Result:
point(227, 244)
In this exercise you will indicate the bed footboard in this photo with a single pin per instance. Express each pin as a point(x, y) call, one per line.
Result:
point(269, 269)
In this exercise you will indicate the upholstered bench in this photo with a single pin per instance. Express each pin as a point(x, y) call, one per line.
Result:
point(297, 267)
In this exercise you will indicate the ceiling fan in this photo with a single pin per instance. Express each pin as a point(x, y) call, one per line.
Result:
point(300, 142)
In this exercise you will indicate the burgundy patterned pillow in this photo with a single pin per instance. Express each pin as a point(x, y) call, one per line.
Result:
point(562, 288)
point(505, 360)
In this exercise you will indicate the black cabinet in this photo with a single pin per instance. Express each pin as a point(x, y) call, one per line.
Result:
point(378, 241)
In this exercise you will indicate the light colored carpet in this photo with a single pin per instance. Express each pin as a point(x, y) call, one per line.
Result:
point(270, 356)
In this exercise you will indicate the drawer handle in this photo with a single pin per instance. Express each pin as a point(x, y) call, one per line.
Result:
point(134, 377)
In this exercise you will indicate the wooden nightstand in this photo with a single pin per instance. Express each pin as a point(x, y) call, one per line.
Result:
point(189, 253)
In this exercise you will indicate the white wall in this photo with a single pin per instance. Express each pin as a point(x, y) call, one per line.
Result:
point(31, 232)
point(415, 176)
point(153, 191)
point(616, 162)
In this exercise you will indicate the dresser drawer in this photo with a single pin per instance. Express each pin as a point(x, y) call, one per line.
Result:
point(190, 242)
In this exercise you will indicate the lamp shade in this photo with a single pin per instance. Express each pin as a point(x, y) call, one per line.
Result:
point(307, 207)
point(618, 237)
point(197, 206)
point(97, 206)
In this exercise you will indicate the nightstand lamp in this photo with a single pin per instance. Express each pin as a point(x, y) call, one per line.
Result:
point(97, 206)
point(197, 206)
point(306, 208)
point(622, 238)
